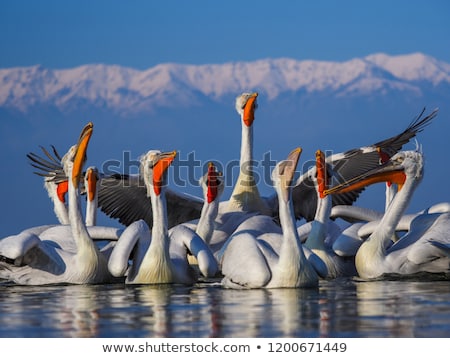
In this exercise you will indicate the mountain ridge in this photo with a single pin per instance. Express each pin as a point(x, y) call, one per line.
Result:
point(126, 91)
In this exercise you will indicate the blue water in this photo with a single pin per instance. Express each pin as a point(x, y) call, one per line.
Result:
point(338, 308)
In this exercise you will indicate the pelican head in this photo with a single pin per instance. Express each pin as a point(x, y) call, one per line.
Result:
point(246, 105)
point(154, 165)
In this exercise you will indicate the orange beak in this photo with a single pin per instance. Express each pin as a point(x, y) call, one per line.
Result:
point(160, 168)
point(249, 110)
point(388, 173)
point(80, 155)
point(91, 184)
point(322, 179)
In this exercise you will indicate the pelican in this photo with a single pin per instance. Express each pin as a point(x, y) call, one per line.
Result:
point(250, 262)
point(425, 248)
point(337, 266)
point(154, 257)
point(245, 196)
point(45, 262)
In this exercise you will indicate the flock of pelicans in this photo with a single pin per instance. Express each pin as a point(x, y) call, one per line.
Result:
point(248, 241)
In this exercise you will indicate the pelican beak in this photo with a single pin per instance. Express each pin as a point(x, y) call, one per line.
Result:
point(212, 182)
point(61, 190)
point(80, 155)
point(249, 110)
point(287, 171)
point(160, 168)
point(92, 180)
point(389, 172)
point(322, 178)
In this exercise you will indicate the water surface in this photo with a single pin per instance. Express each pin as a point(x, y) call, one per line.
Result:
point(338, 308)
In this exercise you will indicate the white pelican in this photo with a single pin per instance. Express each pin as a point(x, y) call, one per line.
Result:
point(155, 258)
point(46, 262)
point(245, 196)
point(424, 248)
point(251, 262)
point(337, 266)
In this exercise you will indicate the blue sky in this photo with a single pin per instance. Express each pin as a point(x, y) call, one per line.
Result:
point(141, 34)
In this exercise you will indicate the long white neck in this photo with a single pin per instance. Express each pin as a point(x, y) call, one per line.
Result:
point(86, 250)
point(91, 210)
point(293, 269)
point(373, 251)
point(245, 196)
point(206, 223)
point(156, 265)
point(246, 144)
point(317, 235)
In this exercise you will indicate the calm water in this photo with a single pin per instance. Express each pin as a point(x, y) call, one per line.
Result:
point(339, 308)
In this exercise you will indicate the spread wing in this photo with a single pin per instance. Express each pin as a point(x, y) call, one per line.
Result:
point(124, 197)
point(353, 163)
point(49, 166)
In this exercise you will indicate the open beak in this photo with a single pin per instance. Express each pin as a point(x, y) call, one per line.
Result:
point(160, 168)
point(322, 178)
point(80, 155)
point(212, 182)
point(249, 110)
point(389, 172)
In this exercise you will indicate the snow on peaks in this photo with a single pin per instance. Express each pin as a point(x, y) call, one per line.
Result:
point(129, 90)
point(413, 67)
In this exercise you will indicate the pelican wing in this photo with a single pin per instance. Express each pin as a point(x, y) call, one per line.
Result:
point(352, 163)
point(49, 167)
point(124, 197)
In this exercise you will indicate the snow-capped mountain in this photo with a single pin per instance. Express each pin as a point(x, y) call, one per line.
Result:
point(128, 91)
